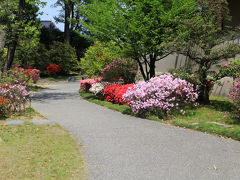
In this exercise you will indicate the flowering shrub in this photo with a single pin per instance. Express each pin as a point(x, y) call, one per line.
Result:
point(16, 95)
point(114, 93)
point(53, 69)
point(120, 68)
point(33, 74)
point(230, 69)
point(87, 83)
point(160, 95)
point(4, 106)
point(15, 75)
point(235, 96)
point(98, 56)
point(98, 88)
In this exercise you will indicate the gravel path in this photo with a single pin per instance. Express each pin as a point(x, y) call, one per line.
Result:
point(121, 147)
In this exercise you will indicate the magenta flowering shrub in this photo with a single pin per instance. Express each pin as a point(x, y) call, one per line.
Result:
point(230, 69)
point(33, 74)
point(120, 70)
point(160, 95)
point(17, 96)
point(235, 96)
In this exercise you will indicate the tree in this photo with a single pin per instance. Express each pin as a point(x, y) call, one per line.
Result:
point(69, 15)
point(19, 16)
point(204, 43)
point(143, 27)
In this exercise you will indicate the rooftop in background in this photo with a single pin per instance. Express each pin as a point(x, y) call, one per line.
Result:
point(49, 12)
point(47, 23)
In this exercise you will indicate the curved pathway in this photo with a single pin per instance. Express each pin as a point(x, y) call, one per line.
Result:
point(121, 147)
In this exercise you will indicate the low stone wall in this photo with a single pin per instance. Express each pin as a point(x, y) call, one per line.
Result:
point(224, 89)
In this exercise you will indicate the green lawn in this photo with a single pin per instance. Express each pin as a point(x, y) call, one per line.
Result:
point(38, 151)
point(202, 118)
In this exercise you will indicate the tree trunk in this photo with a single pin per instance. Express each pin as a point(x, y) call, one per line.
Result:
point(152, 66)
point(13, 43)
point(67, 23)
point(204, 88)
point(2, 44)
point(141, 69)
point(10, 55)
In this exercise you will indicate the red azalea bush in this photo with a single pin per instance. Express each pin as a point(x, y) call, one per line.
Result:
point(114, 93)
point(4, 106)
point(33, 73)
point(87, 83)
point(53, 69)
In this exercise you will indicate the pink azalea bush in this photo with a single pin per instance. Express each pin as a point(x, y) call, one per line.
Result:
point(120, 69)
point(33, 74)
point(16, 94)
point(160, 95)
point(235, 96)
point(86, 84)
point(25, 75)
point(230, 69)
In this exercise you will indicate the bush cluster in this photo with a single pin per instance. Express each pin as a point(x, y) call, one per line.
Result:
point(230, 69)
point(18, 75)
point(56, 53)
point(98, 56)
point(160, 95)
point(4, 106)
point(53, 69)
point(114, 93)
point(13, 98)
point(86, 84)
point(235, 96)
point(98, 88)
point(120, 69)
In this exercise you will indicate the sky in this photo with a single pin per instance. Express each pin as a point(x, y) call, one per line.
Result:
point(49, 12)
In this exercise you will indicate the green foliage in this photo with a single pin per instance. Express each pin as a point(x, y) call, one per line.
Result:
point(142, 27)
point(3, 57)
point(230, 69)
point(50, 34)
point(15, 76)
point(63, 55)
point(207, 30)
point(185, 74)
point(19, 21)
point(97, 57)
point(27, 46)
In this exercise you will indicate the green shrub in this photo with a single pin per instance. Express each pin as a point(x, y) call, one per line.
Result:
point(63, 55)
point(185, 74)
point(97, 57)
point(39, 57)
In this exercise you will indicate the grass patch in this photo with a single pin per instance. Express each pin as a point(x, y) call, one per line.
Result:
point(38, 152)
point(30, 114)
point(200, 118)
